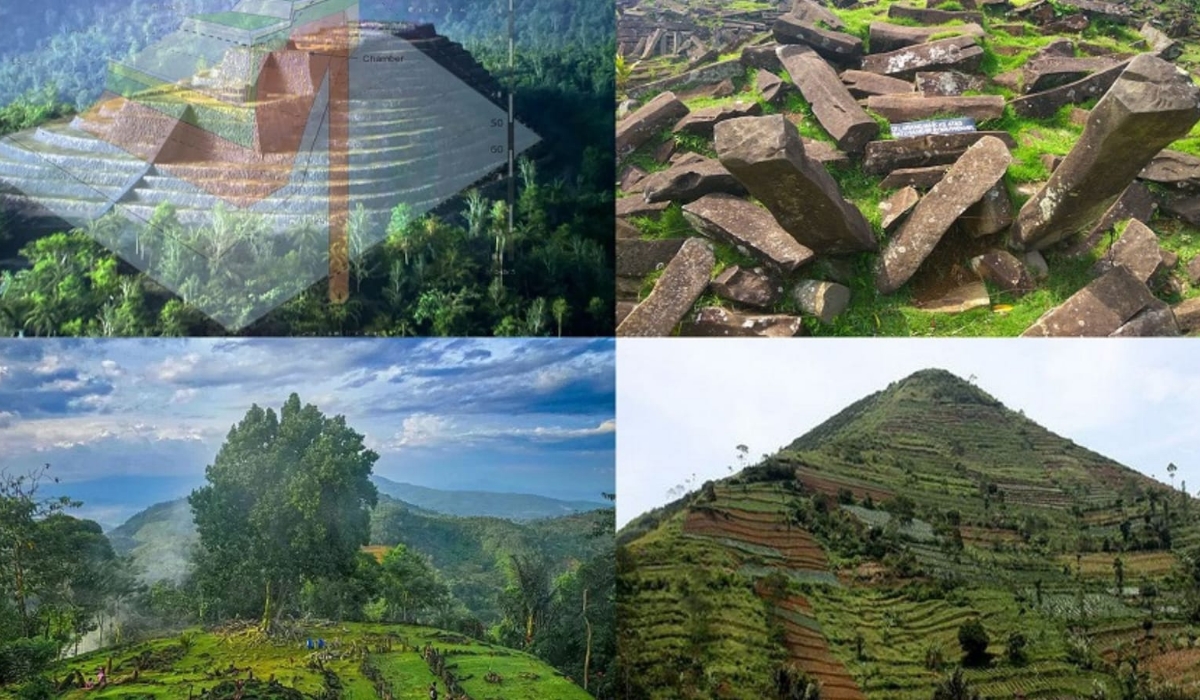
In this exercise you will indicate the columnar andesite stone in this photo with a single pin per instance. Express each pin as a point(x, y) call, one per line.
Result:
point(959, 53)
point(825, 300)
point(749, 228)
point(835, 46)
point(701, 121)
point(767, 156)
point(864, 84)
point(744, 286)
point(907, 108)
point(1004, 270)
point(896, 206)
point(990, 215)
point(1044, 104)
point(653, 117)
point(1098, 309)
point(923, 151)
point(965, 183)
point(681, 284)
point(689, 181)
point(831, 101)
point(885, 36)
point(723, 323)
point(1137, 249)
point(1148, 107)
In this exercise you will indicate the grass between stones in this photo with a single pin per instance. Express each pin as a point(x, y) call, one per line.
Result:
point(872, 314)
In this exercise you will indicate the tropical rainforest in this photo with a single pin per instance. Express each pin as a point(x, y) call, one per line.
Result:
point(925, 542)
point(457, 270)
point(300, 580)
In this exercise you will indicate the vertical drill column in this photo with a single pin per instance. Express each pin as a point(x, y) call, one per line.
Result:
point(339, 163)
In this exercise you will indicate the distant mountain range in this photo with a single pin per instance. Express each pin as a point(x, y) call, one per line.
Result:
point(468, 541)
point(509, 506)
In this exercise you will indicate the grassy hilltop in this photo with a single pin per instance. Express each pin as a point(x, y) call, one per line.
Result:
point(853, 559)
point(369, 660)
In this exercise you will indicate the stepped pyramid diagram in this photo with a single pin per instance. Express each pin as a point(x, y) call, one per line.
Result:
point(264, 128)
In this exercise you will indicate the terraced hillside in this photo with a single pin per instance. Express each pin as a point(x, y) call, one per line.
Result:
point(357, 661)
point(853, 557)
point(839, 226)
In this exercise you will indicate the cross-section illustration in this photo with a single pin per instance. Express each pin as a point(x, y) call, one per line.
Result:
point(250, 153)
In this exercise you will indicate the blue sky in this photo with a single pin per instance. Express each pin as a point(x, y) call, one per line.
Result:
point(686, 404)
point(125, 424)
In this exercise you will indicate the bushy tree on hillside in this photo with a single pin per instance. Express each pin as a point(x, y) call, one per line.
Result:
point(955, 687)
point(286, 501)
point(974, 640)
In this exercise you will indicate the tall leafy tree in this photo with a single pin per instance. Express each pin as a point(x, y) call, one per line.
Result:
point(287, 501)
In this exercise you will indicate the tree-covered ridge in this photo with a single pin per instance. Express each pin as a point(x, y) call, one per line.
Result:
point(282, 527)
point(925, 542)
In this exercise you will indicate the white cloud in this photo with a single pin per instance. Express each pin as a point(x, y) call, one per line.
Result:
point(428, 430)
point(183, 396)
point(110, 368)
point(49, 364)
point(423, 430)
point(7, 418)
point(174, 368)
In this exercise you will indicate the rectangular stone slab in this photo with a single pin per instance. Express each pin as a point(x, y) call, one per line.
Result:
point(681, 284)
point(1151, 105)
point(1042, 105)
point(966, 182)
point(832, 103)
point(933, 16)
point(637, 257)
point(957, 53)
point(835, 46)
point(884, 36)
point(940, 149)
point(749, 228)
point(863, 84)
point(902, 108)
point(767, 156)
point(1097, 310)
point(641, 126)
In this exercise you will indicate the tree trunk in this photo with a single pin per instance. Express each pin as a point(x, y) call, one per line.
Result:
point(266, 618)
point(587, 655)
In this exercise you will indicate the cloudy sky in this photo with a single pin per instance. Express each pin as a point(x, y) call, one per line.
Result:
point(685, 404)
point(125, 424)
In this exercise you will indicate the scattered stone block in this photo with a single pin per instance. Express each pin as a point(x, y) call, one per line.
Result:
point(936, 149)
point(762, 57)
point(885, 37)
point(1151, 105)
point(862, 84)
point(1193, 271)
point(926, 15)
point(825, 300)
point(1156, 320)
point(947, 83)
point(749, 287)
point(1174, 169)
point(767, 156)
point(831, 45)
point(1097, 310)
point(1187, 315)
point(1137, 249)
point(690, 181)
point(979, 169)
point(1041, 74)
point(990, 215)
point(637, 257)
point(816, 14)
point(972, 295)
point(920, 178)
point(644, 124)
point(1162, 45)
point(677, 289)
point(907, 108)
point(1042, 105)
point(749, 228)
point(1183, 208)
point(630, 207)
point(957, 53)
point(714, 321)
point(1004, 270)
point(773, 89)
point(832, 103)
point(896, 206)
point(701, 121)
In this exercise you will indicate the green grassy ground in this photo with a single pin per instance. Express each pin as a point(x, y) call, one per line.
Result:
point(873, 314)
point(196, 661)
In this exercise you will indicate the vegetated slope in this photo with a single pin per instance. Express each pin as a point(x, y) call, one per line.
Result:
point(510, 506)
point(470, 553)
point(856, 553)
point(945, 282)
point(359, 661)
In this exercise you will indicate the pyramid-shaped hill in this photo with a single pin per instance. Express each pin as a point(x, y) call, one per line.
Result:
point(855, 554)
point(938, 438)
